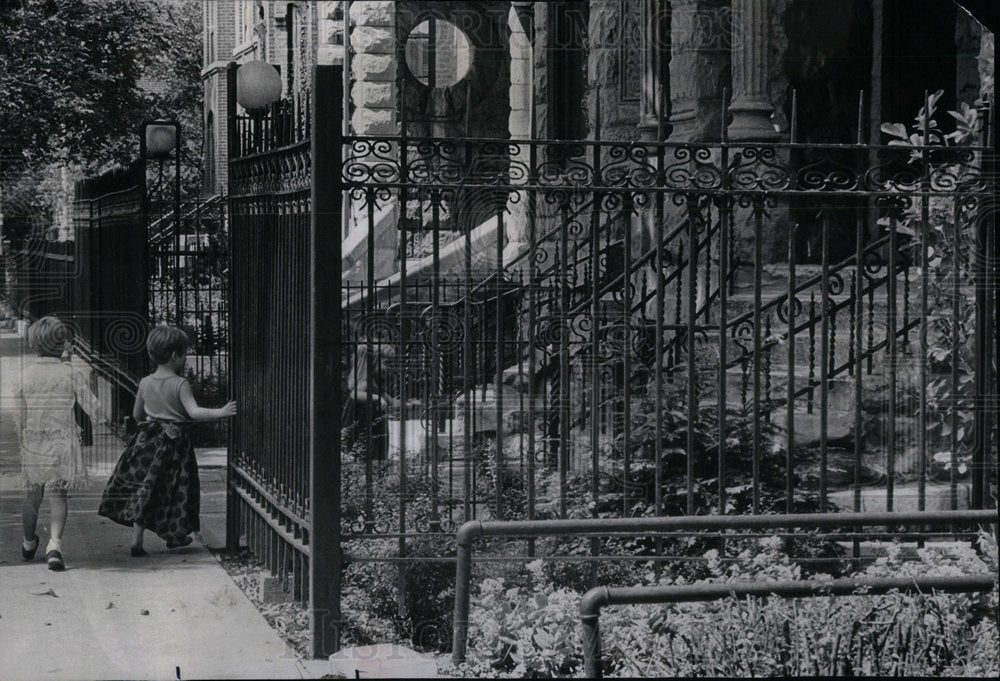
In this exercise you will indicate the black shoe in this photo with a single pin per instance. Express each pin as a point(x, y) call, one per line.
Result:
point(55, 560)
point(137, 552)
point(184, 541)
point(26, 554)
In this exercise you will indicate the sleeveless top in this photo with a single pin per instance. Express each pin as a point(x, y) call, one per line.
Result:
point(162, 402)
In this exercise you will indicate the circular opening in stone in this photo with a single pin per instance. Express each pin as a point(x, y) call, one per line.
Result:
point(438, 53)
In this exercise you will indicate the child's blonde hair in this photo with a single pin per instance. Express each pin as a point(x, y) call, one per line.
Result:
point(164, 341)
point(48, 336)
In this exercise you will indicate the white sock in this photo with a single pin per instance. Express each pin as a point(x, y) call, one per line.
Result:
point(30, 544)
point(54, 545)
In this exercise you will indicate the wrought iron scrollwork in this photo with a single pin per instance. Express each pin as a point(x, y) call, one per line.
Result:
point(782, 310)
point(827, 174)
point(758, 168)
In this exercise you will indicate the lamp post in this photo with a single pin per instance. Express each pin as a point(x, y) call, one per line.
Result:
point(258, 87)
point(157, 139)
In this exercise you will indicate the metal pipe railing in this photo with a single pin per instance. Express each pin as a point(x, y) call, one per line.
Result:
point(473, 529)
point(602, 596)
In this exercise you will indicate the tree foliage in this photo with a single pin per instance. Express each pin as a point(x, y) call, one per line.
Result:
point(79, 76)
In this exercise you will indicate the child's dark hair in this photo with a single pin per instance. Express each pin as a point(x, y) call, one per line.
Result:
point(48, 336)
point(164, 341)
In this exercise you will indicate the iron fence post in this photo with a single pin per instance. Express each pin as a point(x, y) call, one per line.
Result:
point(325, 358)
point(232, 141)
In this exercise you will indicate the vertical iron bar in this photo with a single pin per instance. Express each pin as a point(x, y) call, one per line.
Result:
point(924, 306)
point(467, 369)
point(595, 262)
point(499, 358)
point(824, 363)
point(906, 307)
point(627, 209)
point(790, 405)
point(402, 364)
point(758, 265)
point(178, 296)
point(435, 377)
point(564, 376)
point(811, 378)
point(370, 369)
point(893, 359)
point(955, 348)
point(692, 394)
point(858, 316)
point(595, 374)
point(658, 232)
point(725, 216)
point(532, 301)
point(870, 357)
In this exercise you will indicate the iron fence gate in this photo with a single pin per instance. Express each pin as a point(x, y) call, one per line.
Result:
point(284, 448)
point(188, 273)
point(595, 329)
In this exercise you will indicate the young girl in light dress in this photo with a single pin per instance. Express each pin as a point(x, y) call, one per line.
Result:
point(51, 457)
point(155, 483)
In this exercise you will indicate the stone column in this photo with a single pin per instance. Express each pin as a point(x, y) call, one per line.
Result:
point(520, 118)
point(373, 68)
point(655, 58)
point(699, 68)
point(751, 107)
point(372, 36)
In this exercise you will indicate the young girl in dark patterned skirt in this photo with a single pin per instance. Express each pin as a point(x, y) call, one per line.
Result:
point(155, 483)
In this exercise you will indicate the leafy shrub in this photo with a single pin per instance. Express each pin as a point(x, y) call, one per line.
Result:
point(951, 248)
point(392, 600)
point(532, 629)
point(374, 608)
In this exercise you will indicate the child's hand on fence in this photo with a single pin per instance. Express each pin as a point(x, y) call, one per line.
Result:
point(229, 409)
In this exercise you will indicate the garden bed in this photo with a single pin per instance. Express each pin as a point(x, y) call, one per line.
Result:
point(529, 626)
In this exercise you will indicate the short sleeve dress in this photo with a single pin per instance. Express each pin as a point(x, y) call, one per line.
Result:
point(50, 438)
point(155, 481)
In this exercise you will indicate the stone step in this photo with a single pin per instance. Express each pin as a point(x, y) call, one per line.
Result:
point(905, 498)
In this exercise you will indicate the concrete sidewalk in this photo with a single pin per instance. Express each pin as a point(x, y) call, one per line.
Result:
point(171, 615)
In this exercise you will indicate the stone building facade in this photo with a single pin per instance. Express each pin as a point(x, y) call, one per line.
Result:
point(681, 69)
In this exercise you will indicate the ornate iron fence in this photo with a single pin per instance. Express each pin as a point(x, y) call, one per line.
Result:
point(595, 329)
point(604, 328)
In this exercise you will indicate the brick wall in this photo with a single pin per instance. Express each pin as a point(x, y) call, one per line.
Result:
point(221, 17)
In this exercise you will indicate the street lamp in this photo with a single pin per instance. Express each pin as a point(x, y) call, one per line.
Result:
point(157, 140)
point(160, 138)
point(258, 87)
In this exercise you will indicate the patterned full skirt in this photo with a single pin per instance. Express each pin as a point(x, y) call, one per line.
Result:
point(155, 483)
